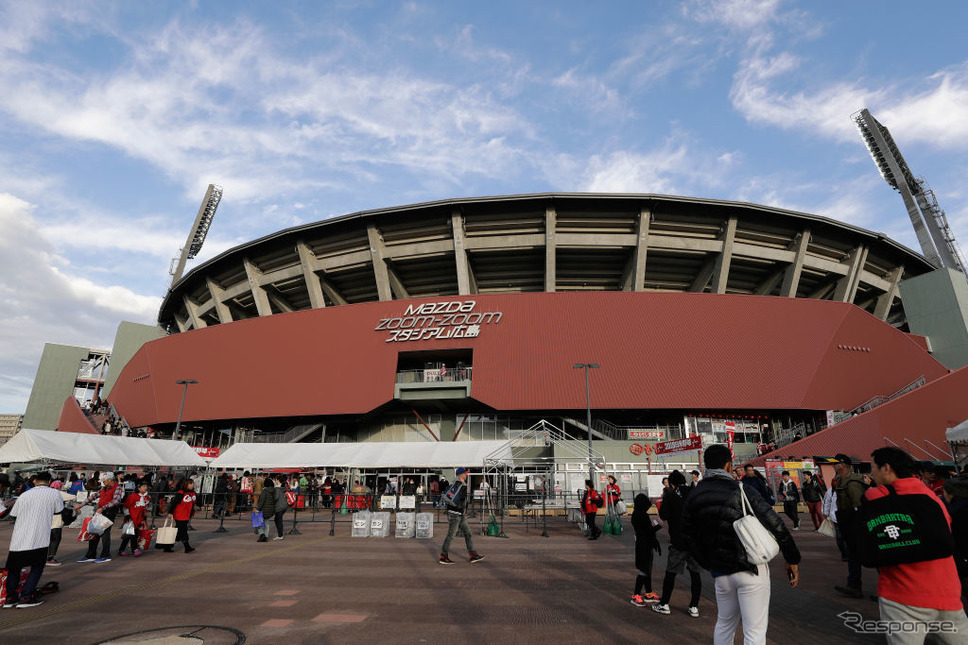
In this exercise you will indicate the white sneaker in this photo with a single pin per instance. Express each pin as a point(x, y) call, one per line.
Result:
point(277, 538)
point(661, 609)
point(693, 611)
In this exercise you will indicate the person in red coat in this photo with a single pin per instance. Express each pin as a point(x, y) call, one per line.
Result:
point(591, 501)
point(613, 491)
point(136, 508)
point(182, 507)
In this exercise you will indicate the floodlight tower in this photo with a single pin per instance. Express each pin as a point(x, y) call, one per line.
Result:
point(937, 242)
point(196, 237)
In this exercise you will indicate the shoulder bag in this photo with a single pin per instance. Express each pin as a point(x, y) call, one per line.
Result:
point(760, 545)
point(827, 528)
point(900, 529)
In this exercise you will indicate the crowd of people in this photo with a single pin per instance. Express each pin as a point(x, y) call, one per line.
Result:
point(706, 517)
point(916, 593)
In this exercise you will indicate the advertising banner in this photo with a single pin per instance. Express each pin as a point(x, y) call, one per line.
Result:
point(678, 445)
point(638, 433)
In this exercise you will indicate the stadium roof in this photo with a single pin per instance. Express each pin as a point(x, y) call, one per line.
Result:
point(546, 242)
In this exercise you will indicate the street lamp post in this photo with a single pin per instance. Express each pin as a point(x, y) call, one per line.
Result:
point(588, 417)
point(186, 382)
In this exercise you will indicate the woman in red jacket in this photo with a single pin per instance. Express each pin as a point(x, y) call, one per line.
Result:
point(182, 506)
point(591, 501)
point(136, 507)
point(613, 491)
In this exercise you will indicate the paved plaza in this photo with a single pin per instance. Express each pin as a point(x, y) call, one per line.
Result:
point(317, 588)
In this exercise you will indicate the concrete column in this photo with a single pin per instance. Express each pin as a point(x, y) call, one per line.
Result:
point(846, 288)
point(222, 309)
point(254, 276)
point(702, 278)
point(377, 250)
point(791, 279)
point(331, 291)
point(551, 223)
point(884, 302)
point(307, 259)
point(396, 284)
point(721, 272)
point(766, 287)
point(460, 254)
point(641, 249)
point(192, 308)
point(278, 300)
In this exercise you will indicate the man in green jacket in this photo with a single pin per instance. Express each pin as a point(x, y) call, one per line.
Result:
point(850, 489)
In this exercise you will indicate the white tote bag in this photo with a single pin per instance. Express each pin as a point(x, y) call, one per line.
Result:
point(167, 534)
point(827, 528)
point(760, 545)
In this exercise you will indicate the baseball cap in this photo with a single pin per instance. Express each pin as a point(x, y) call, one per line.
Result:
point(107, 475)
point(461, 471)
point(841, 458)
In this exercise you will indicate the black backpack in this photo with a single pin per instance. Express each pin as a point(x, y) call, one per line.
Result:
point(900, 529)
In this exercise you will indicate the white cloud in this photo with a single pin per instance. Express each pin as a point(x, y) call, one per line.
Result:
point(219, 104)
point(592, 93)
point(464, 45)
point(43, 300)
point(937, 116)
point(734, 14)
point(932, 110)
point(672, 168)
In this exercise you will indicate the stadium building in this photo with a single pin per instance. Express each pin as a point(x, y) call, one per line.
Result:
point(466, 319)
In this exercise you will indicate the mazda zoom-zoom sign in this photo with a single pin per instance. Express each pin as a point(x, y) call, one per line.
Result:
point(437, 320)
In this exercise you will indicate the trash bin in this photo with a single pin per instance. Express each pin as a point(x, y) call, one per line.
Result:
point(380, 524)
point(406, 525)
point(361, 524)
point(425, 525)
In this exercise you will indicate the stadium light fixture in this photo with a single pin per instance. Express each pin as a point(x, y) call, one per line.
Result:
point(186, 382)
point(196, 237)
point(588, 416)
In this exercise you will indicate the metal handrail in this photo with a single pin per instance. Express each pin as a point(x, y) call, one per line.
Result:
point(443, 375)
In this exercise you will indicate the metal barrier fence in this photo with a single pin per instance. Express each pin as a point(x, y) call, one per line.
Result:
point(530, 510)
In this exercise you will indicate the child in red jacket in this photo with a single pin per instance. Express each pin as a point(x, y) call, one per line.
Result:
point(136, 508)
point(182, 507)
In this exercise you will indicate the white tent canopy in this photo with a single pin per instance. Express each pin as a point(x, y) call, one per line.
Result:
point(958, 434)
point(71, 447)
point(403, 454)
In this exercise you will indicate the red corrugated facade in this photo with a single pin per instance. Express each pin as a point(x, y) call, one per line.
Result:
point(656, 351)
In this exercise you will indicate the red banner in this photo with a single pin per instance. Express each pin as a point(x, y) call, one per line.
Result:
point(678, 445)
point(207, 453)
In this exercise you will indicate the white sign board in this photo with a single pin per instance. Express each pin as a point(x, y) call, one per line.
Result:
point(655, 485)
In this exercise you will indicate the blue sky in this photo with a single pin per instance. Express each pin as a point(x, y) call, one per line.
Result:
point(115, 116)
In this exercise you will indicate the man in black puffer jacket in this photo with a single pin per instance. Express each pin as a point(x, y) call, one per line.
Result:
point(707, 524)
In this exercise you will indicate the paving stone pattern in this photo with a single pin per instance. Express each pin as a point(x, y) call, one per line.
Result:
point(314, 588)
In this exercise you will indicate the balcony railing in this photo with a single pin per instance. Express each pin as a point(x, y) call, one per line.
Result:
point(444, 375)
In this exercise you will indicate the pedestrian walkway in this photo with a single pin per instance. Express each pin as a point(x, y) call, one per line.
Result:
point(313, 588)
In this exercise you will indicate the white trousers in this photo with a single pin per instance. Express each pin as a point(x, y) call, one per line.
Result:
point(747, 596)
